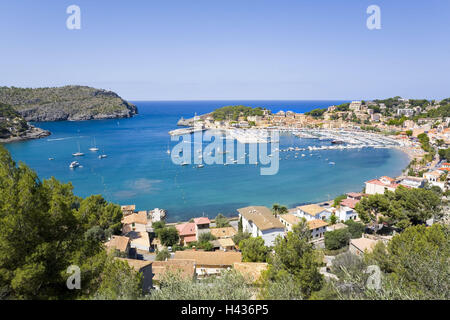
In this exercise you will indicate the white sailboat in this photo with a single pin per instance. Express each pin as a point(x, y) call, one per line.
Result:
point(78, 154)
point(94, 148)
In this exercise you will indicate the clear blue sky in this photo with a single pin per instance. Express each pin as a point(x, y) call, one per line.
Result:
point(230, 49)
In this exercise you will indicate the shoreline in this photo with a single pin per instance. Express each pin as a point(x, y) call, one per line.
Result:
point(32, 134)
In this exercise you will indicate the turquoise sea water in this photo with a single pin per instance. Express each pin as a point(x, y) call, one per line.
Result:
point(139, 171)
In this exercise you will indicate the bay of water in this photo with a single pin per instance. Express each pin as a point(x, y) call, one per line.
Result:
point(139, 171)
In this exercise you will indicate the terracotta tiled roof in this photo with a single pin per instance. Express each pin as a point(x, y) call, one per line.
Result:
point(312, 209)
point(202, 220)
point(378, 182)
point(140, 217)
point(226, 232)
point(355, 194)
point(185, 268)
point(290, 218)
point(186, 229)
point(210, 258)
point(316, 223)
point(262, 217)
point(136, 264)
point(351, 203)
point(118, 242)
point(226, 242)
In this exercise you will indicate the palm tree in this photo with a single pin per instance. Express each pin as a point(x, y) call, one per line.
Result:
point(283, 210)
point(279, 209)
point(275, 209)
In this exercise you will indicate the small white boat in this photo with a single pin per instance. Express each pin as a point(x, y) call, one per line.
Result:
point(234, 161)
point(51, 159)
point(303, 155)
point(184, 164)
point(168, 151)
point(78, 154)
point(102, 156)
point(94, 148)
point(74, 164)
point(331, 163)
point(200, 166)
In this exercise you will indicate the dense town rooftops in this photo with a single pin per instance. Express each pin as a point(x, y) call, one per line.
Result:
point(262, 217)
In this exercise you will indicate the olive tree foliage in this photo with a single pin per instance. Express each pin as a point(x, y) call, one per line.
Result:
point(414, 265)
point(230, 285)
point(294, 256)
point(283, 288)
point(45, 228)
point(119, 282)
point(402, 208)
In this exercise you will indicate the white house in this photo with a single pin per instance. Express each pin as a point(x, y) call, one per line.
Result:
point(260, 222)
point(318, 228)
point(346, 210)
point(378, 186)
point(433, 178)
point(289, 220)
point(312, 212)
point(412, 182)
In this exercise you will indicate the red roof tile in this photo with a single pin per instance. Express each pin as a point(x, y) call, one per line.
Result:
point(186, 229)
point(201, 220)
point(351, 203)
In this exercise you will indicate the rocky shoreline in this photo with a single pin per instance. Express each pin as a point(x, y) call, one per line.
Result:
point(32, 133)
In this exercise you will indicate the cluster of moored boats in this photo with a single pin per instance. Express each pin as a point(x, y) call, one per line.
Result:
point(218, 151)
point(76, 164)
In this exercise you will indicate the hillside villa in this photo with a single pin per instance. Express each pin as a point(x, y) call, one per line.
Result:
point(260, 222)
point(312, 212)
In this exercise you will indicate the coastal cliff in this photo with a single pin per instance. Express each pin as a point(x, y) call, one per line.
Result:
point(66, 103)
point(13, 127)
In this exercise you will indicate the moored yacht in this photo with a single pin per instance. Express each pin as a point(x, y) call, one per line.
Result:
point(74, 164)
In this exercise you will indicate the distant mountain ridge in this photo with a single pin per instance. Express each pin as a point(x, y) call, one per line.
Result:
point(66, 103)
